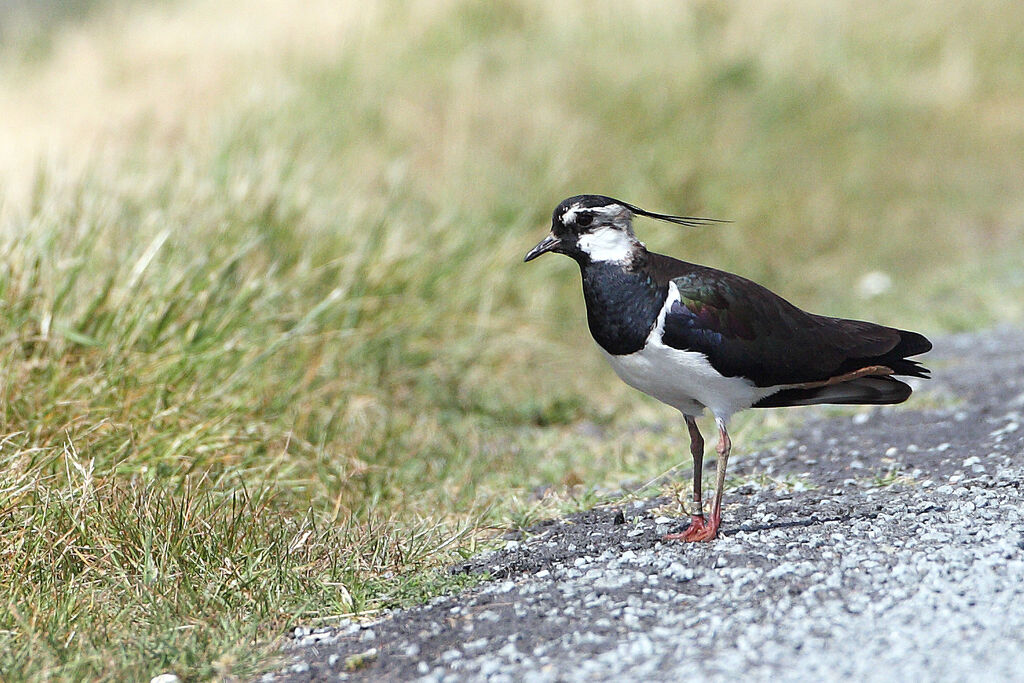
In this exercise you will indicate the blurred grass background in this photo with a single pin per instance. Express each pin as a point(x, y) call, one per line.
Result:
point(270, 350)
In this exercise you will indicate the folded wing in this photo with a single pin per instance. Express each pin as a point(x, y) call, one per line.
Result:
point(746, 330)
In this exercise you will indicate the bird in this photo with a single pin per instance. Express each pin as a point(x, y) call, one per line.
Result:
point(698, 338)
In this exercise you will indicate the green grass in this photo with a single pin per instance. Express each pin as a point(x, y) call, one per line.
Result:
point(272, 356)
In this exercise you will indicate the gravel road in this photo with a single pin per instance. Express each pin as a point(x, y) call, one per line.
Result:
point(899, 555)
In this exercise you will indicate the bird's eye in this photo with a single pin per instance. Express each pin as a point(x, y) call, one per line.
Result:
point(584, 219)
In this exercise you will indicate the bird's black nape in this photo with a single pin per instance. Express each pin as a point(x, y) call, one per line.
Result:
point(689, 221)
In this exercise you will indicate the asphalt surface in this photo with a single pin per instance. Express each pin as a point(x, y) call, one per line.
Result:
point(884, 546)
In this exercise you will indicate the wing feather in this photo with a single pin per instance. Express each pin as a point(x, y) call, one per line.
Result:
point(746, 330)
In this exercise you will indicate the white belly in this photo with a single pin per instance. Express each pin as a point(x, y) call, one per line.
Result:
point(685, 380)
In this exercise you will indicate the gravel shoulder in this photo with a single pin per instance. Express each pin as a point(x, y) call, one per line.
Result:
point(883, 546)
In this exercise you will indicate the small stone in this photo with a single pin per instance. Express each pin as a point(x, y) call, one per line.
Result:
point(873, 283)
point(477, 644)
point(1008, 428)
point(165, 678)
point(489, 669)
point(361, 659)
point(679, 572)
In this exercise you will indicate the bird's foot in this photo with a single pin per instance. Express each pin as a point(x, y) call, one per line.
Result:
point(700, 529)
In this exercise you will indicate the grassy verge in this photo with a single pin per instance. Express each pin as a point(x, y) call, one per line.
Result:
point(270, 353)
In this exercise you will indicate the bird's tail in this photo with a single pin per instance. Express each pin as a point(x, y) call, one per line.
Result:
point(870, 390)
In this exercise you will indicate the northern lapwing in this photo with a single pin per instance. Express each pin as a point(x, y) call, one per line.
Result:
point(695, 337)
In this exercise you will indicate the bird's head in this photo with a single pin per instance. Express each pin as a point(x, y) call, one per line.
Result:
point(592, 227)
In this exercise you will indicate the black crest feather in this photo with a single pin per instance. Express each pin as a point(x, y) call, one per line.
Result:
point(689, 221)
point(590, 201)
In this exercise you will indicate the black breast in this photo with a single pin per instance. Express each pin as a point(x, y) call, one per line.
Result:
point(622, 305)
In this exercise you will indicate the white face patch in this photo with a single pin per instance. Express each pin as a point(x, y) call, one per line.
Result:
point(569, 215)
point(607, 244)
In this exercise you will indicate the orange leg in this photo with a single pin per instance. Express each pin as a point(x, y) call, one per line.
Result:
point(702, 529)
point(698, 523)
